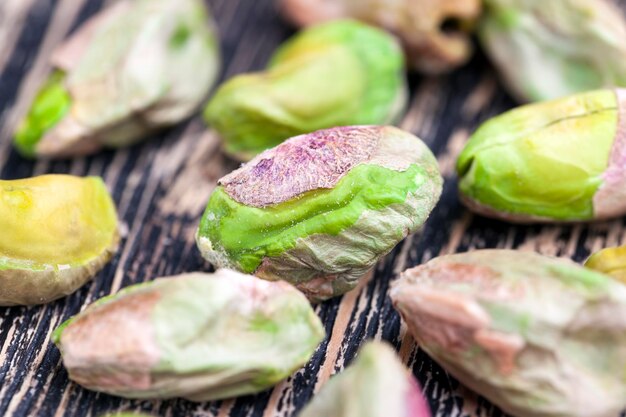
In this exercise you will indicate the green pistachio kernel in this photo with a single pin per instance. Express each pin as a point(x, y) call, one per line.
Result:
point(335, 74)
point(198, 336)
point(550, 49)
point(376, 384)
point(320, 209)
point(538, 336)
point(57, 232)
point(560, 160)
point(114, 82)
point(611, 261)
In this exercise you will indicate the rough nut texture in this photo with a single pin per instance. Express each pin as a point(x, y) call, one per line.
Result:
point(549, 49)
point(115, 82)
point(198, 336)
point(376, 384)
point(560, 160)
point(538, 336)
point(320, 209)
point(336, 74)
point(57, 231)
point(611, 261)
point(418, 24)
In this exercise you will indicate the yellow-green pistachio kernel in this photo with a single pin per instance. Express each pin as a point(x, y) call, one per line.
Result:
point(611, 261)
point(376, 384)
point(335, 74)
point(549, 49)
point(57, 232)
point(321, 209)
point(426, 27)
point(135, 67)
point(557, 161)
point(197, 336)
point(537, 336)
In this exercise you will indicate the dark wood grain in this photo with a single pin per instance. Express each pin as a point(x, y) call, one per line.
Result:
point(161, 187)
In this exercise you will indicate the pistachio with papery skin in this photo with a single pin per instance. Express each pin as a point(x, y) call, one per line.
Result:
point(376, 384)
point(321, 209)
point(57, 231)
point(558, 161)
point(430, 47)
point(549, 49)
point(611, 261)
point(335, 74)
point(136, 67)
point(538, 336)
point(198, 336)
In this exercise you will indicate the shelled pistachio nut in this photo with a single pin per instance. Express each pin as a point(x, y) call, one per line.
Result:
point(430, 45)
point(134, 68)
point(611, 261)
point(538, 336)
point(560, 160)
point(321, 209)
point(376, 384)
point(198, 336)
point(549, 49)
point(335, 74)
point(57, 231)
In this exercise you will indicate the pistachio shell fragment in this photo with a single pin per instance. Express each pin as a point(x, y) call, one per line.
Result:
point(57, 232)
point(538, 336)
point(611, 261)
point(335, 74)
point(321, 209)
point(549, 49)
point(431, 47)
point(198, 336)
point(558, 161)
point(376, 384)
point(115, 81)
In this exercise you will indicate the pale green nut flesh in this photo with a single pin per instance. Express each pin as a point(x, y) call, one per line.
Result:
point(115, 83)
point(557, 161)
point(537, 336)
point(57, 232)
point(376, 384)
point(321, 209)
point(611, 261)
point(198, 336)
point(335, 74)
point(549, 49)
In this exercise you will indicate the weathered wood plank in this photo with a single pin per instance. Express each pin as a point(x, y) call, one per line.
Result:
point(161, 187)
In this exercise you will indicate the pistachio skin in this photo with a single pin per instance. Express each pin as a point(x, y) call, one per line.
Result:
point(198, 336)
point(545, 50)
point(58, 231)
point(610, 261)
point(321, 209)
point(557, 161)
point(335, 74)
point(538, 336)
point(113, 83)
point(376, 384)
point(418, 24)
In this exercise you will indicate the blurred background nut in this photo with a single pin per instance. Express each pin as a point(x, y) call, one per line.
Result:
point(611, 261)
point(434, 32)
point(198, 336)
point(549, 49)
point(376, 384)
point(56, 232)
point(321, 209)
point(135, 67)
point(335, 74)
point(537, 336)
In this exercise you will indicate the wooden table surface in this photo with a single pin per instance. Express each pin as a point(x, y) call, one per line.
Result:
point(161, 187)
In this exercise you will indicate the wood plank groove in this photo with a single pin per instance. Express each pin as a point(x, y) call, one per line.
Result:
point(161, 188)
